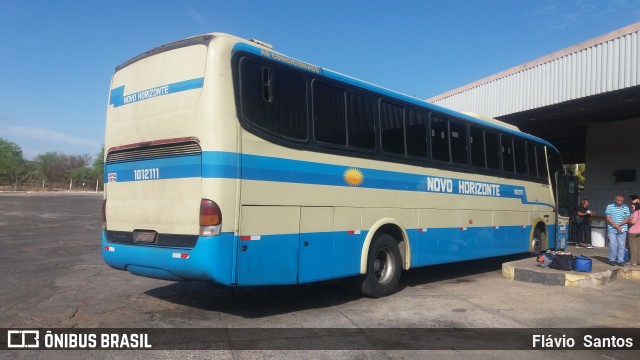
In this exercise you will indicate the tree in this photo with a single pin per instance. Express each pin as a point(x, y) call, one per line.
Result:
point(77, 161)
point(99, 161)
point(56, 167)
point(13, 168)
point(98, 166)
point(52, 166)
point(81, 175)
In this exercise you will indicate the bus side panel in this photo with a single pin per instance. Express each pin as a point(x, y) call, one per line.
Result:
point(348, 241)
point(477, 230)
point(438, 236)
point(268, 246)
point(511, 232)
point(316, 243)
point(450, 235)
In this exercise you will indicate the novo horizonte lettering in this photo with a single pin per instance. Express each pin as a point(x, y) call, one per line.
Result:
point(437, 184)
point(146, 94)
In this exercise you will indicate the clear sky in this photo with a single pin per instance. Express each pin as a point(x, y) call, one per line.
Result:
point(57, 56)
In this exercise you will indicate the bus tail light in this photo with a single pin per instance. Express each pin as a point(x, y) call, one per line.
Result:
point(210, 218)
point(104, 214)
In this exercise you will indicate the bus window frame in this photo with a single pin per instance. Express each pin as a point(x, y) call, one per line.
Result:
point(349, 149)
point(497, 134)
point(374, 121)
point(426, 114)
point(382, 100)
point(377, 154)
point(465, 126)
point(431, 142)
point(484, 148)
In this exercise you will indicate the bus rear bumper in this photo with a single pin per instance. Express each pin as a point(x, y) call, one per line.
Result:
point(210, 260)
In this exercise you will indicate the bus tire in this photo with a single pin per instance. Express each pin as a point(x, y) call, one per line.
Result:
point(384, 265)
point(539, 238)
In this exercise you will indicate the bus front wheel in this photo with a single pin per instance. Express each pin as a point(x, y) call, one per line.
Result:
point(384, 264)
point(539, 241)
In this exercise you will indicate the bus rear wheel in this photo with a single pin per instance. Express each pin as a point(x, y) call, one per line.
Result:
point(384, 265)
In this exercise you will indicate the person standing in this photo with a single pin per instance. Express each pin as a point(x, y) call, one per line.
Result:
point(617, 219)
point(634, 233)
point(584, 226)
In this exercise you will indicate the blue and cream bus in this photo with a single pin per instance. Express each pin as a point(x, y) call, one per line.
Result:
point(231, 163)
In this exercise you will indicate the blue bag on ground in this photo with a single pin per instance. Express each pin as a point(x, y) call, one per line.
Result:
point(583, 263)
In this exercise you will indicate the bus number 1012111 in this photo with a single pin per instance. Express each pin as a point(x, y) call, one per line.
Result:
point(146, 174)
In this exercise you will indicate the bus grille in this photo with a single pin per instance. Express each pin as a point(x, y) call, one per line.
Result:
point(155, 151)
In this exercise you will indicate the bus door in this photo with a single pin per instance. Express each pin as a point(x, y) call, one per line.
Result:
point(566, 201)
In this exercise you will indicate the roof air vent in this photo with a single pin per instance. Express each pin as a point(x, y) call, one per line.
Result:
point(262, 43)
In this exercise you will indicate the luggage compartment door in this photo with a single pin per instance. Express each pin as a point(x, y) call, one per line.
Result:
point(269, 245)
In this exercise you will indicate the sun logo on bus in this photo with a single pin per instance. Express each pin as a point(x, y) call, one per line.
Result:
point(353, 177)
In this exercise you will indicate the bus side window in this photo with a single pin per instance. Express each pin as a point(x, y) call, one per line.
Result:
point(273, 99)
point(476, 144)
point(392, 126)
point(492, 150)
point(520, 156)
point(542, 162)
point(458, 136)
point(531, 159)
point(329, 114)
point(416, 130)
point(440, 139)
point(506, 145)
point(360, 120)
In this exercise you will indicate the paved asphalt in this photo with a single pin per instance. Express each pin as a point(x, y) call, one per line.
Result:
point(54, 277)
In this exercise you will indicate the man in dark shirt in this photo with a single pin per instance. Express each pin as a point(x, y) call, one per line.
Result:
point(584, 224)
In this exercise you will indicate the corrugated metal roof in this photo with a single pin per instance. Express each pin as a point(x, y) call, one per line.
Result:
point(607, 63)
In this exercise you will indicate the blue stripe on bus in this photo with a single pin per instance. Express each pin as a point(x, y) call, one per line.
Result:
point(285, 259)
point(118, 98)
point(167, 168)
point(229, 165)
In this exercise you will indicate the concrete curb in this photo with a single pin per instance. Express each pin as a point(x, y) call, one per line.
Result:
point(517, 271)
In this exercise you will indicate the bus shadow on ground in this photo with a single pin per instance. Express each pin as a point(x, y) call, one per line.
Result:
point(255, 301)
point(457, 272)
point(264, 301)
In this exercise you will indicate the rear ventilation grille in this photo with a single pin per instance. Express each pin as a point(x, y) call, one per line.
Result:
point(155, 151)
